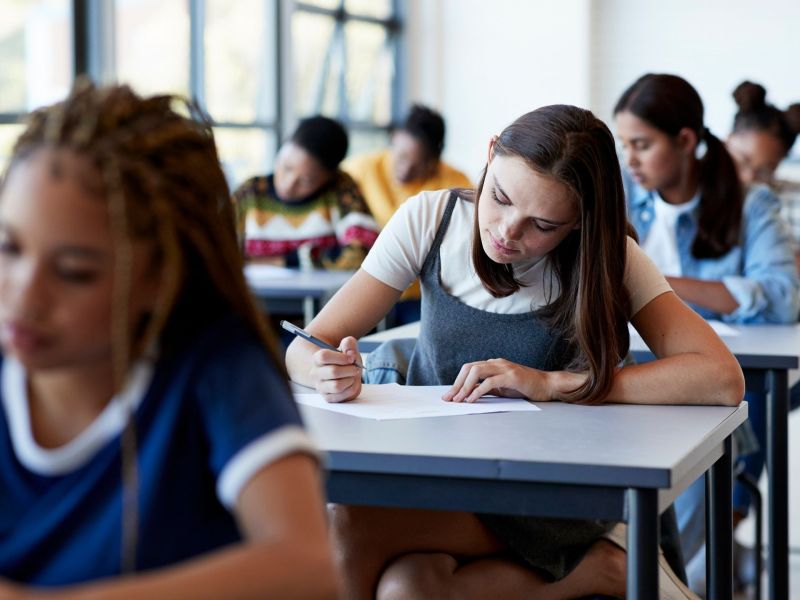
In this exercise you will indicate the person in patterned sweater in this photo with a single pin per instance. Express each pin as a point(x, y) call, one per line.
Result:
point(307, 202)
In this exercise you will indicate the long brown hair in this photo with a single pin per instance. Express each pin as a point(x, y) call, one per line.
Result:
point(670, 103)
point(576, 149)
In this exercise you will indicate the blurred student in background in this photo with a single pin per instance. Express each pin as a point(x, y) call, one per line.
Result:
point(762, 136)
point(725, 250)
point(308, 202)
point(412, 164)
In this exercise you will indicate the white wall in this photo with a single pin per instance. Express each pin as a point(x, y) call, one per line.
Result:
point(714, 44)
point(483, 63)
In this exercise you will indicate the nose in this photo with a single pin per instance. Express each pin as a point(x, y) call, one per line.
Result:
point(747, 174)
point(23, 289)
point(403, 171)
point(511, 229)
point(631, 160)
point(289, 185)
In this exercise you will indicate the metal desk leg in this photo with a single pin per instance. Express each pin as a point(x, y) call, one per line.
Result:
point(778, 483)
point(642, 581)
point(719, 529)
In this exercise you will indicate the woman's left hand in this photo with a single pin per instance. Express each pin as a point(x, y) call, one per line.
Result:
point(500, 377)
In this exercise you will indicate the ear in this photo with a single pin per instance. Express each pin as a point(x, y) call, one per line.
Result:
point(687, 140)
point(492, 142)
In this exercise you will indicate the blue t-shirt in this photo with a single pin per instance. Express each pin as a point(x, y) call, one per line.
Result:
point(206, 421)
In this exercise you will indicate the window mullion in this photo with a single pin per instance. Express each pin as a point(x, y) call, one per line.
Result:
point(197, 71)
point(344, 107)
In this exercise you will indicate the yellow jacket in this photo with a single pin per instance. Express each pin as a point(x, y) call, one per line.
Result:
point(374, 175)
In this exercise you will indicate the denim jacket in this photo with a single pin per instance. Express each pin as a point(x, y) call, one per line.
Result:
point(759, 272)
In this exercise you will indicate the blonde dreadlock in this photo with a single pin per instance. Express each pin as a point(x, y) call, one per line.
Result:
point(160, 174)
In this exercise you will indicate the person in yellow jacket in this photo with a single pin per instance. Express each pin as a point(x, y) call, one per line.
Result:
point(409, 166)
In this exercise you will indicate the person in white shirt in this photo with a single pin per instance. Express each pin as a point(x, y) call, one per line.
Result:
point(528, 285)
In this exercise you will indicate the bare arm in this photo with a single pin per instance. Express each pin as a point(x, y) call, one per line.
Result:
point(355, 309)
point(711, 295)
point(286, 554)
point(693, 365)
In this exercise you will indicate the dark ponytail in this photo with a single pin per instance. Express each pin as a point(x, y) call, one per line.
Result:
point(670, 103)
point(721, 203)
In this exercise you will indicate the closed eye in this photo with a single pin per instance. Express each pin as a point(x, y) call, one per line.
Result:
point(543, 228)
point(498, 200)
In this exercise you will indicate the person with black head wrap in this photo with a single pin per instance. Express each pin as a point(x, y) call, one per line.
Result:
point(308, 202)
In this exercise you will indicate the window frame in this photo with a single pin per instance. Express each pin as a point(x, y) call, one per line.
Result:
point(393, 26)
point(94, 47)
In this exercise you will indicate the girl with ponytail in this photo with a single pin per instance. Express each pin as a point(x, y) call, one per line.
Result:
point(724, 248)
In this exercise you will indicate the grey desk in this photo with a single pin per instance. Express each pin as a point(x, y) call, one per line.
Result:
point(610, 462)
point(295, 289)
point(765, 353)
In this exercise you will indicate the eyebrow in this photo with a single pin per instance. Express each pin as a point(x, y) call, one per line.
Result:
point(542, 219)
point(633, 140)
point(82, 252)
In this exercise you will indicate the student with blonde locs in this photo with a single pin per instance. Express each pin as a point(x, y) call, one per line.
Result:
point(528, 285)
point(149, 445)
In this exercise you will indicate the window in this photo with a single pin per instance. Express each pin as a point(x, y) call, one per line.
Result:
point(35, 61)
point(344, 58)
point(222, 54)
point(253, 76)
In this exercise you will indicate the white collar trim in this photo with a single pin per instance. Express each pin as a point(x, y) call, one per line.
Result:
point(77, 452)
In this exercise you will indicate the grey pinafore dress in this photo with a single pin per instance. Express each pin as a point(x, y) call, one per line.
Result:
point(453, 333)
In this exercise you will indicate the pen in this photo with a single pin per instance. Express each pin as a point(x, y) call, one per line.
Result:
point(294, 329)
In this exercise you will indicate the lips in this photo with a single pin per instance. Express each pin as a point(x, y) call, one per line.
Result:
point(500, 247)
point(21, 337)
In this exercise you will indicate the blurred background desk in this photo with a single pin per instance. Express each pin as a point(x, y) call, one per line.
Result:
point(292, 291)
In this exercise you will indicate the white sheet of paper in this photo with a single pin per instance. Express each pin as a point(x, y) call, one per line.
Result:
point(722, 329)
point(393, 401)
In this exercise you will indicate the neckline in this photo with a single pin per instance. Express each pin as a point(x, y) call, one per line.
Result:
point(676, 209)
point(80, 450)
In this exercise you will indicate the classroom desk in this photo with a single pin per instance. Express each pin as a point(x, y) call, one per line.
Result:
point(765, 353)
point(292, 289)
point(610, 462)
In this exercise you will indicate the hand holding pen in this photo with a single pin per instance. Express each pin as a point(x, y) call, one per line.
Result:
point(336, 372)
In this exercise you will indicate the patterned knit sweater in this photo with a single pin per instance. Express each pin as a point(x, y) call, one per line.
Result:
point(334, 223)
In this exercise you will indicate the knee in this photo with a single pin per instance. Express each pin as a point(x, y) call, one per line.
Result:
point(418, 576)
point(347, 528)
point(606, 564)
